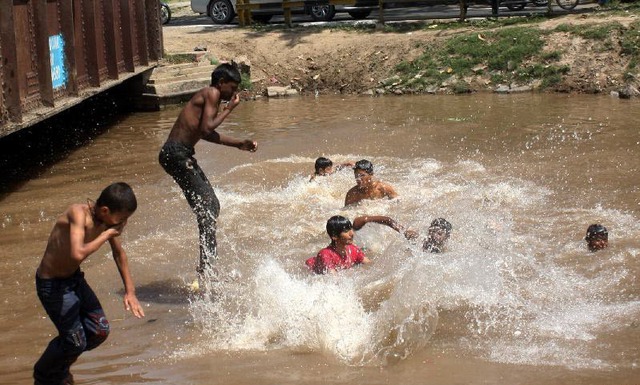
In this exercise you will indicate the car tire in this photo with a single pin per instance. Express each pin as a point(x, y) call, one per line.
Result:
point(322, 12)
point(165, 13)
point(221, 11)
point(359, 15)
point(515, 6)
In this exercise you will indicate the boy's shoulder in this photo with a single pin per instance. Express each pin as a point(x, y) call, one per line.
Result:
point(78, 211)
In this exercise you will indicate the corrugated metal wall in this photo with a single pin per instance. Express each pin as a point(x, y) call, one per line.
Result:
point(57, 52)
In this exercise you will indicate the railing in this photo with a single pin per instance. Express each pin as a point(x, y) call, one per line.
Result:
point(54, 51)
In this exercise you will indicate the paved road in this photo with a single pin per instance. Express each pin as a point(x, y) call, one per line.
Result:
point(183, 16)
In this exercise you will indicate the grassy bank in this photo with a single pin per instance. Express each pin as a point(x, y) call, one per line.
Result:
point(515, 53)
point(510, 52)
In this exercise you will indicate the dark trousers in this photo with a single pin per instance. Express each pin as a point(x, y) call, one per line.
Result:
point(178, 161)
point(77, 314)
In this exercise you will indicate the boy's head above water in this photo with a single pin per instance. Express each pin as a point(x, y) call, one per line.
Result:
point(439, 232)
point(323, 166)
point(337, 226)
point(363, 172)
point(597, 237)
point(364, 165)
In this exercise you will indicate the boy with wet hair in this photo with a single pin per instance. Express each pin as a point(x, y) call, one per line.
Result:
point(324, 167)
point(366, 186)
point(438, 233)
point(199, 120)
point(341, 252)
point(68, 299)
point(597, 237)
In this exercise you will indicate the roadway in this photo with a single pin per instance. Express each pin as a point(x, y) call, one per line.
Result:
point(184, 16)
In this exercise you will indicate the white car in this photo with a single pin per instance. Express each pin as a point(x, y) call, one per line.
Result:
point(224, 11)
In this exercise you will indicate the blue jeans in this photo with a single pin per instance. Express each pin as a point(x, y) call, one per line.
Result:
point(178, 161)
point(77, 314)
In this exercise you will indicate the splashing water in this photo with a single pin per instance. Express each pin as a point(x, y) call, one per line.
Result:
point(499, 289)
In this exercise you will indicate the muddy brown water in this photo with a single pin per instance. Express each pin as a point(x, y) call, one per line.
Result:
point(516, 298)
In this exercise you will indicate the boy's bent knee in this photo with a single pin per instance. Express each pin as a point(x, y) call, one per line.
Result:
point(99, 330)
point(74, 341)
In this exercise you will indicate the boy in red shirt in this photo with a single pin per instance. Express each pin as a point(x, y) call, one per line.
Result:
point(341, 253)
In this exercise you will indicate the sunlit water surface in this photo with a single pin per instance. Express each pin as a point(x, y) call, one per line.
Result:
point(516, 297)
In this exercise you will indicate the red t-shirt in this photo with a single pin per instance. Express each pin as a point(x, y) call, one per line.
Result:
point(328, 259)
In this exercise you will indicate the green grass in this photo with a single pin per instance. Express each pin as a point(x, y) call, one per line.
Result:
point(630, 44)
point(513, 54)
point(178, 58)
point(591, 32)
point(501, 51)
point(245, 83)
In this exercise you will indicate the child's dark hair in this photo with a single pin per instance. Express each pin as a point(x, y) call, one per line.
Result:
point(118, 197)
point(321, 163)
point(441, 223)
point(597, 231)
point(365, 165)
point(337, 224)
point(225, 72)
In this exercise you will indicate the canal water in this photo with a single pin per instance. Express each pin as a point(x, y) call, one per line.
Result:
point(516, 298)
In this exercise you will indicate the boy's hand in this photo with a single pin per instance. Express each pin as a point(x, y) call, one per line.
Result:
point(233, 103)
point(131, 304)
point(248, 145)
point(113, 232)
point(411, 234)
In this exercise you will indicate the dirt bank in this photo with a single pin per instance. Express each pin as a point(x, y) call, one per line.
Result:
point(352, 60)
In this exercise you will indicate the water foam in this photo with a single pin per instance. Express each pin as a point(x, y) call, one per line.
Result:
point(508, 294)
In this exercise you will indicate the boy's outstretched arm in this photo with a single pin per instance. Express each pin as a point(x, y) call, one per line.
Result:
point(130, 300)
point(246, 145)
point(359, 223)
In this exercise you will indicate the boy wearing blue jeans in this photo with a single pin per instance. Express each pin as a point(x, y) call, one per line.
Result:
point(68, 299)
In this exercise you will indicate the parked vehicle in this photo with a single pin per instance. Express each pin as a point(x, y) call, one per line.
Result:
point(517, 5)
point(224, 11)
point(165, 13)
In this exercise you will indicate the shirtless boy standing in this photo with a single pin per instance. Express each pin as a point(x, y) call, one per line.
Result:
point(366, 186)
point(199, 120)
point(69, 301)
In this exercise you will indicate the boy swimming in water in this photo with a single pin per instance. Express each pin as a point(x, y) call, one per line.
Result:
point(597, 237)
point(324, 167)
point(199, 120)
point(438, 233)
point(366, 186)
point(68, 299)
point(341, 253)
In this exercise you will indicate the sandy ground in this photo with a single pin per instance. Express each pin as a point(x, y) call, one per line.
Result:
point(330, 60)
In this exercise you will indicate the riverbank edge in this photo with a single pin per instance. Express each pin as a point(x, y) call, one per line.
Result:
point(592, 53)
